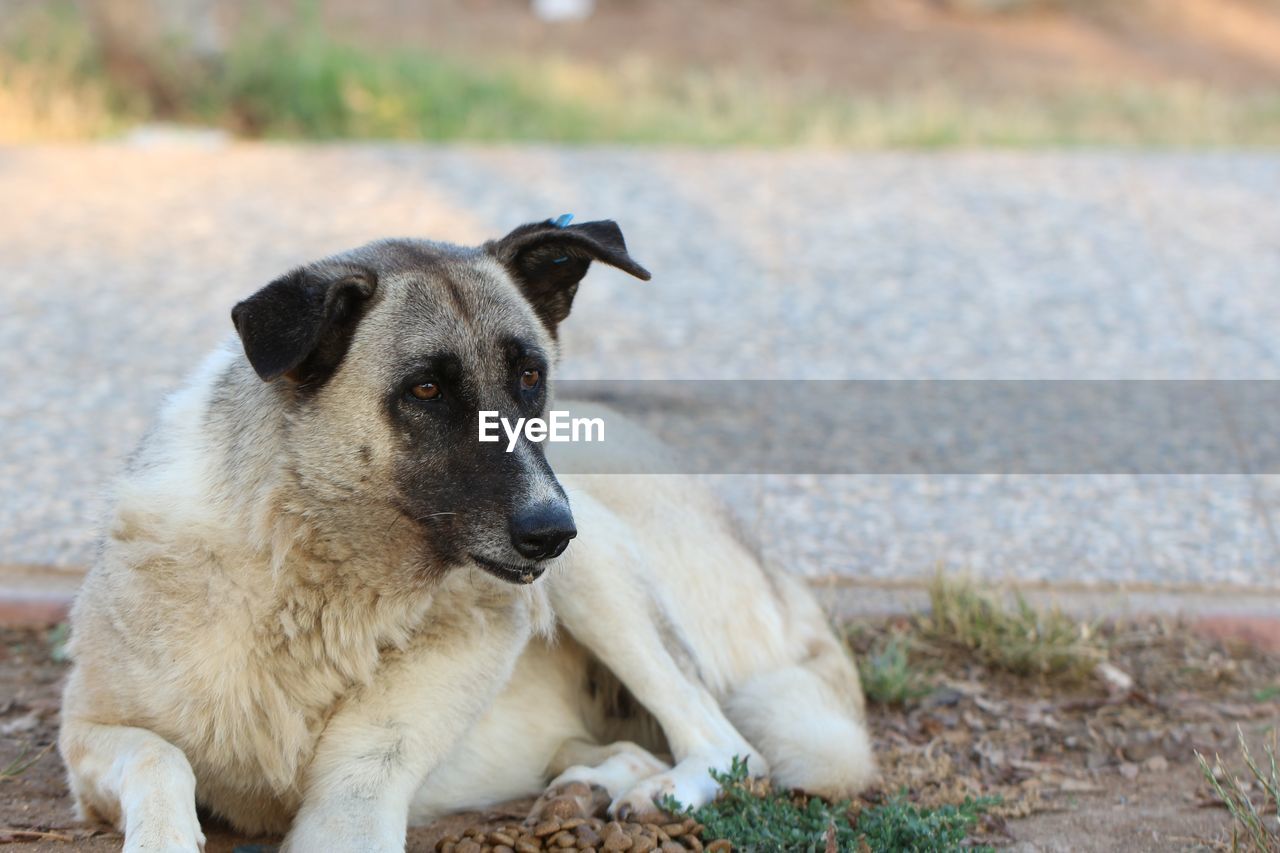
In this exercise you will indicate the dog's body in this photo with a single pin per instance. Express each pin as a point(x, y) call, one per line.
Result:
point(303, 619)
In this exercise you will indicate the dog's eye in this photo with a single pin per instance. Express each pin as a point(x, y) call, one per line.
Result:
point(426, 391)
point(529, 379)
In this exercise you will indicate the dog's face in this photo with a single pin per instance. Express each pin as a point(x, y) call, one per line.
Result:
point(387, 354)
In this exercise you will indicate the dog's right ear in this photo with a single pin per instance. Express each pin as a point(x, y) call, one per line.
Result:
point(299, 326)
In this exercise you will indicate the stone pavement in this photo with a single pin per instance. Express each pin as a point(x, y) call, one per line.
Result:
point(119, 264)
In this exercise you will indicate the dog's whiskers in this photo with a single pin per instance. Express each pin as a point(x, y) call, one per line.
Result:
point(434, 515)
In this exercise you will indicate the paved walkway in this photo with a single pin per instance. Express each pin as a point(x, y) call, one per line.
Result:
point(119, 263)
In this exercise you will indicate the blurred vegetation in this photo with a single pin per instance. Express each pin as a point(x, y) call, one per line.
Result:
point(1010, 636)
point(888, 675)
point(299, 82)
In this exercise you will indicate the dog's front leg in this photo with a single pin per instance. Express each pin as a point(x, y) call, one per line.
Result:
point(137, 780)
point(387, 737)
point(603, 603)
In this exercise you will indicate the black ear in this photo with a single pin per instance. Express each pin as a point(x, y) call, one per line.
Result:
point(299, 326)
point(548, 261)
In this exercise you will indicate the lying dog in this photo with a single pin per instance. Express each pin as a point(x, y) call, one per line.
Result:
point(317, 610)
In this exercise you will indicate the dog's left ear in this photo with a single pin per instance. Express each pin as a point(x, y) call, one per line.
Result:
point(548, 260)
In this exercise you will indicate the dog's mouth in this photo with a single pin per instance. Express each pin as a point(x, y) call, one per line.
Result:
point(510, 572)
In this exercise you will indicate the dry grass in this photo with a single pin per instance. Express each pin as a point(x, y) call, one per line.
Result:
point(1257, 826)
point(1007, 633)
point(48, 89)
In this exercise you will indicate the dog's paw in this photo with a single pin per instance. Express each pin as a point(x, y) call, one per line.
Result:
point(168, 833)
point(616, 774)
point(567, 800)
point(689, 783)
point(343, 831)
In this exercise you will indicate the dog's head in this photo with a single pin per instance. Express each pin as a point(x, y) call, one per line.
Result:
point(384, 357)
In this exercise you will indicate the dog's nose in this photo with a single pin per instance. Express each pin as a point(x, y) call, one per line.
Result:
point(542, 531)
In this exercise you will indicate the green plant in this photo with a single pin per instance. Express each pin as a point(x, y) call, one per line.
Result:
point(57, 639)
point(888, 676)
point(902, 825)
point(1260, 824)
point(757, 819)
point(1266, 694)
point(1017, 638)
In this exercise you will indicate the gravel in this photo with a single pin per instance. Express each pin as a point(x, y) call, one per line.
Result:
point(119, 264)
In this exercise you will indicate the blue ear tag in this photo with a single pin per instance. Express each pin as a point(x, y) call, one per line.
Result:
point(560, 222)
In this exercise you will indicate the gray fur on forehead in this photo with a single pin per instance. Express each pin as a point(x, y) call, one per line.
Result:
point(440, 294)
point(395, 255)
point(431, 274)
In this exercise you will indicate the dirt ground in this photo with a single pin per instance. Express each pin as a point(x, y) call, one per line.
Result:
point(1077, 767)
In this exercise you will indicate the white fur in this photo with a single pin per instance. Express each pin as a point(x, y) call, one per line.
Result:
point(226, 644)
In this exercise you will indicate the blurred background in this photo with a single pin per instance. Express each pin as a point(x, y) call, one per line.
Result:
point(824, 189)
point(835, 73)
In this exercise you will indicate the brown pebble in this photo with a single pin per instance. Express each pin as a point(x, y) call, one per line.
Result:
point(562, 838)
point(547, 827)
point(674, 829)
point(562, 808)
point(652, 816)
point(673, 847)
point(693, 842)
point(573, 823)
point(470, 845)
point(503, 848)
point(615, 837)
point(720, 845)
point(643, 844)
point(528, 845)
point(444, 846)
point(486, 848)
point(587, 837)
point(500, 837)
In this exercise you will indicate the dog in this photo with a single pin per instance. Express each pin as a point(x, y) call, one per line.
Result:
point(319, 609)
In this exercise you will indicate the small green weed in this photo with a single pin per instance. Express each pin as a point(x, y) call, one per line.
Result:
point(1266, 694)
point(888, 676)
point(1020, 639)
point(57, 639)
point(1258, 826)
point(902, 825)
point(757, 819)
